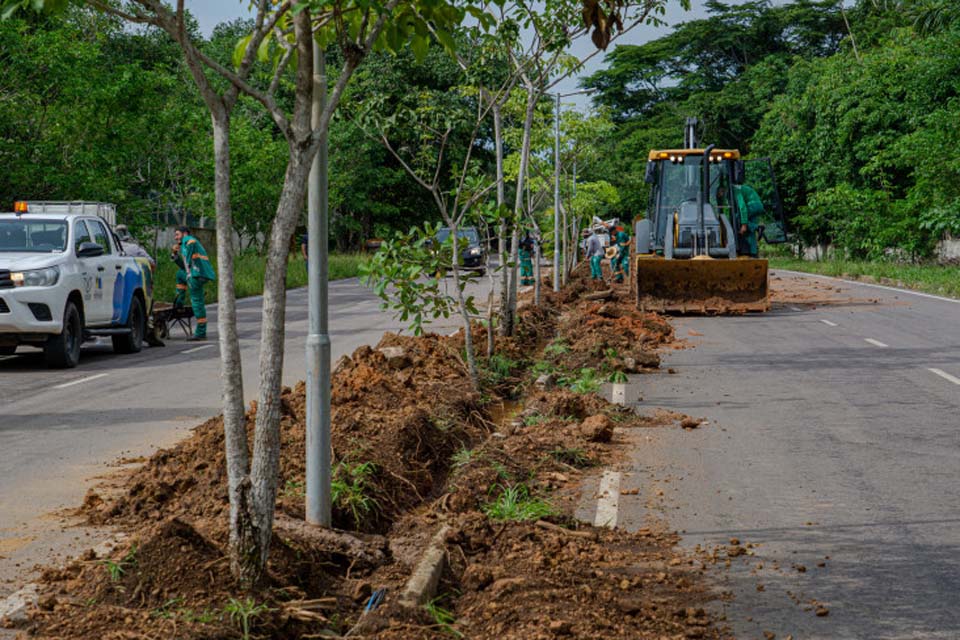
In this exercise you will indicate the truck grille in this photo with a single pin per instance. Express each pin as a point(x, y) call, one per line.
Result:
point(5, 281)
point(3, 307)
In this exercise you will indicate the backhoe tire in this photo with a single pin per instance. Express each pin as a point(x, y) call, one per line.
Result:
point(8, 351)
point(136, 321)
point(62, 351)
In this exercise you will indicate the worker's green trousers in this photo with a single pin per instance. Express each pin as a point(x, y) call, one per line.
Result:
point(596, 271)
point(195, 286)
point(526, 268)
point(181, 298)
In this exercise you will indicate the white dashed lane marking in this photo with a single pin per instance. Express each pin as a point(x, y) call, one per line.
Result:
point(945, 375)
point(608, 501)
point(875, 343)
point(80, 381)
point(200, 348)
point(828, 323)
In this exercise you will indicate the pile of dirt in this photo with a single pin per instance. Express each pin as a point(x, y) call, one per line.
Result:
point(426, 450)
point(532, 581)
point(400, 410)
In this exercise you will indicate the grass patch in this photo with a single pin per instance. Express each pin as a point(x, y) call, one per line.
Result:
point(574, 457)
point(443, 618)
point(586, 382)
point(929, 278)
point(249, 269)
point(497, 369)
point(350, 491)
point(515, 503)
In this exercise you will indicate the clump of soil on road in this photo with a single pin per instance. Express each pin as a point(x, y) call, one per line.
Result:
point(812, 293)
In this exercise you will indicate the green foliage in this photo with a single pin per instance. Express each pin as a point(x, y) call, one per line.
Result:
point(575, 457)
point(463, 457)
point(442, 618)
point(249, 268)
point(585, 382)
point(516, 504)
point(351, 491)
point(117, 569)
point(557, 347)
point(497, 369)
point(406, 274)
point(244, 612)
point(618, 377)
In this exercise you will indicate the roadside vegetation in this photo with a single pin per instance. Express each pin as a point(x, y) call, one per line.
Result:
point(930, 278)
point(249, 270)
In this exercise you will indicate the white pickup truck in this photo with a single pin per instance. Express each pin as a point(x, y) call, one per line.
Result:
point(64, 279)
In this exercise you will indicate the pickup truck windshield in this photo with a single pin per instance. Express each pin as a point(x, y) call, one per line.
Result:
point(473, 238)
point(39, 236)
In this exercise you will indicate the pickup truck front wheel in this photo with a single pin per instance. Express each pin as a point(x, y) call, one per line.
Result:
point(62, 351)
point(132, 342)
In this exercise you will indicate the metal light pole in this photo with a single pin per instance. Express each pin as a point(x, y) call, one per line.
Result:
point(556, 198)
point(318, 339)
point(557, 257)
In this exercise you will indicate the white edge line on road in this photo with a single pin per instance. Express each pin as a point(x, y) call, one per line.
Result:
point(795, 309)
point(200, 348)
point(608, 501)
point(81, 380)
point(2, 358)
point(828, 323)
point(868, 284)
point(875, 343)
point(945, 375)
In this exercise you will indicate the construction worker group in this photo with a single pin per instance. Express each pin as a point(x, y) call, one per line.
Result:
point(618, 251)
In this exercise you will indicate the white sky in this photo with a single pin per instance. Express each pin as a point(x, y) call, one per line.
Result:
point(211, 12)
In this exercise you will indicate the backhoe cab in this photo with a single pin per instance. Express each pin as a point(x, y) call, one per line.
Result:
point(691, 256)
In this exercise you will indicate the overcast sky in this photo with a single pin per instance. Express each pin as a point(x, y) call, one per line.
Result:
point(211, 12)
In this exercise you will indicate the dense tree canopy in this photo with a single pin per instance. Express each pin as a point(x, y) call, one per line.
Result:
point(853, 105)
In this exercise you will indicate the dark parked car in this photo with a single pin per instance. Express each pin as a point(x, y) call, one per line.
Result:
point(472, 253)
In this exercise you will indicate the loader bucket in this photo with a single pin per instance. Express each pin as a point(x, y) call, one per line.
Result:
point(702, 285)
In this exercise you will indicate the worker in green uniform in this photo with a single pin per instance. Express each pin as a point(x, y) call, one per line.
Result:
point(197, 271)
point(595, 256)
point(622, 240)
point(750, 207)
point(526, 261)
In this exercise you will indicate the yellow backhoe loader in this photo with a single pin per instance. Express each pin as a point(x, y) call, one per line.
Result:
point(696, 250)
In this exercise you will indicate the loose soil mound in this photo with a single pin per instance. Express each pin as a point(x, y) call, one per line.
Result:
point(523, 580)
point(404, 414)
point(807, 291)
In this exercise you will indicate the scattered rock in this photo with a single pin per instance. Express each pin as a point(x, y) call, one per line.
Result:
point(396, 357)
point(769, 635)
point(597, 428)
point(735, 550)
point(822, 612)
point(546, 381)
point(691, 423)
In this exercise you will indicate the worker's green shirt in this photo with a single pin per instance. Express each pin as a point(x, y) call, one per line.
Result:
point(195, 258)
point(749, 204)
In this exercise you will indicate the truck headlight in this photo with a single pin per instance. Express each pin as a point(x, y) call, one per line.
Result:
point(36, 277)
point(475, 251)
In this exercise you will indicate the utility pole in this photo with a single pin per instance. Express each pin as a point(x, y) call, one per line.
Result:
point(556, 198)
point(319, 503)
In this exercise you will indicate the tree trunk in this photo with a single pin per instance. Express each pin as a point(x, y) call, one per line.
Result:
point(242, 538)
point(266, 447)
point(502, 231)
point(518, 208)
point(462, 305)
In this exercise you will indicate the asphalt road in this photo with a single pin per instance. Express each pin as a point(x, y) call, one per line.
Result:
point(62, 431)
point(833, 440)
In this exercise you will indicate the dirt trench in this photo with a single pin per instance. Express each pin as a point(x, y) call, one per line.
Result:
point(415, 446)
